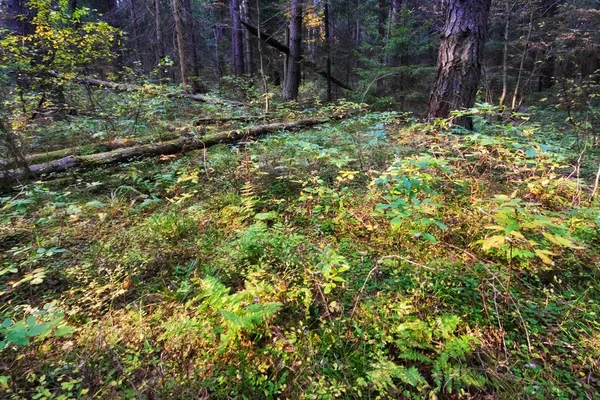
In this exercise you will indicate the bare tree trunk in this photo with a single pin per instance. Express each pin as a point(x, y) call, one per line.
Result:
point(248, 50)
point(522, 62)
point(160, 51)
point(505, 54)
point(260, 56)
point(179, 33)
point(459, 59)
point(294, 72)
point(237, 44)
point(134, 32)
point(327, 48)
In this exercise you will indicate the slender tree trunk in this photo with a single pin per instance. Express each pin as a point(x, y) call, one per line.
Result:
point(459, 58)
point(248, 50)
point(134, 32)
point(160, 52)
point(522, 62)
point(179, 33)
point(237, 44)
point(294, 72)
point(191, 31)
point(505, 54)
point(382, 12)
point(260, 57)
point(327, 48)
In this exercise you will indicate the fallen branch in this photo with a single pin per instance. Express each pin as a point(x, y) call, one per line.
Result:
point(179, 145)
point(128, 87)
point(268, 39)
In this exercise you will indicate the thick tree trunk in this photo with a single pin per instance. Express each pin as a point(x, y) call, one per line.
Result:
point(293, 74)
point(180, 34)
point(459, 58)
point(237, 44)
point(19, 18)
point(170, 147)
point(271, 41)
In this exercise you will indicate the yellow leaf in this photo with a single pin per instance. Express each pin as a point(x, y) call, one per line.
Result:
point(542, 254)
point(493, 242)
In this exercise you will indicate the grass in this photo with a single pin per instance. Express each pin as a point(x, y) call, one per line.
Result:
point(374, 257)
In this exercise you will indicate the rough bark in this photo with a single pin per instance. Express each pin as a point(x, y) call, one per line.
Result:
point(459, 58)
point(237, 43)
point(164, 148)
point(271, 41)
point(293, 74)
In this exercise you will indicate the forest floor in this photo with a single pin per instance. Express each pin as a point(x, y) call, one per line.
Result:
point(369, 257)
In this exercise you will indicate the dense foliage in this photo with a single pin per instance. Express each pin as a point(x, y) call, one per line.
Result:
point(158, 243)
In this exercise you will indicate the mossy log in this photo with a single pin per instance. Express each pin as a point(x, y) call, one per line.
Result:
point(180, 145)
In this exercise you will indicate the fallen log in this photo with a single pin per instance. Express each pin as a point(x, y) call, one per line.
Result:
point(91, 148)
point(128, 87)
point(271, 41)
point(180, 145)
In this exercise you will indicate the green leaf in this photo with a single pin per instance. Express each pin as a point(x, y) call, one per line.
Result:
point(64, 330)
point(429, 237)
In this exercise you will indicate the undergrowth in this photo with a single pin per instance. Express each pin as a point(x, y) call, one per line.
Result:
point(375, 257)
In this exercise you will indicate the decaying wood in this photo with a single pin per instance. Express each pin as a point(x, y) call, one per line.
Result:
point(125, 87)
point(179, 145)
point(87, 149)
point(268, 39)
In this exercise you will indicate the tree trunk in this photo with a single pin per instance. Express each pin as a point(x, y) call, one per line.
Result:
point(248, 50)
point(459, 59)
point(505, 54)
point(327, 49)
point(160, 51)
point(180, 34)
point(294, 73)
point(516, 93)
point(237, 43)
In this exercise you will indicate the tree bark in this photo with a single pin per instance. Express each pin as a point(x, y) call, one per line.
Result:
point(237, 44)
point(459, 59)
point(170, 147)
point(293, 74)
point(180, 34)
